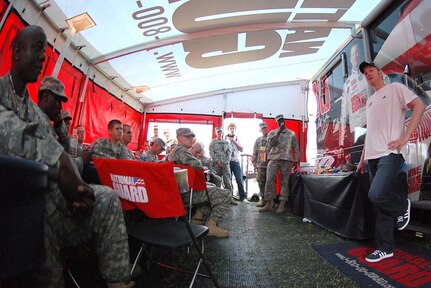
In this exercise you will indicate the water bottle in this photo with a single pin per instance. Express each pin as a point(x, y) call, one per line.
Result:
point(73, 148)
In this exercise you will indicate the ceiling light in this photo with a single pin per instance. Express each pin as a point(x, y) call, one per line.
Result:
point(141, 89)
point(80, 22)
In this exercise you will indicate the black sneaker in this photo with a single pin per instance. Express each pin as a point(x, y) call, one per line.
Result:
point(403, 220)
point(378, 255)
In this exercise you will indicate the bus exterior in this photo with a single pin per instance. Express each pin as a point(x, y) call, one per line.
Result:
point(398, 39)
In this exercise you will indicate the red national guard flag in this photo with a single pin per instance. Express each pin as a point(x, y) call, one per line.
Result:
point(150, 187)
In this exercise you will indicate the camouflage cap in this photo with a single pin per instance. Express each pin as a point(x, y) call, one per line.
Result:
point(231, 125)
point(366, 64)
point(278, 117)
point(218, 129)
point(54, 85)
point(185, 132)
point(65, 115)
point(263, 125)
point(160, 142)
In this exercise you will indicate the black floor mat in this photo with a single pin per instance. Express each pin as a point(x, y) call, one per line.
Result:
point(409, 267)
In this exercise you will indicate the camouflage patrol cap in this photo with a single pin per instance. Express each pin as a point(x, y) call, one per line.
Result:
point(65, 115)
point(231, 125)
point(263, 125)
point(218, 129)
point(160, 142)
point(54, 85)
point(278, 117)
point(185, 132)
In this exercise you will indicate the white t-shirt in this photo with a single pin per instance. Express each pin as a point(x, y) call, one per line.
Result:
point(386, 113)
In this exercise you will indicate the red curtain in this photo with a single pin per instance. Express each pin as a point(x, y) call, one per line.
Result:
point(100, 107)
point(12, 25)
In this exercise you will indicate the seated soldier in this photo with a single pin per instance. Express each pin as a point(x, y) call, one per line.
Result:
point(198, 151)
point(126, 139)
point(50, 96)
point(75, 212)
point(219, 198)
point(112, 147)
point(157, 147)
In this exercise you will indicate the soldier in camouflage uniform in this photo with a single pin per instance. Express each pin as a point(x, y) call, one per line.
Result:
point(112, 147)
point(220, 151)
point(157, 147)
point(50, 96)
point(75, 212)
point(260, 162)
point(126, 139)
point(281, 142)
point(198, 151)
point(218, 197)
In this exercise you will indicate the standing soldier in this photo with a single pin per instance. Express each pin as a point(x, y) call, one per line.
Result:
point(281, 141)
point(220, 154)
point(260, 162)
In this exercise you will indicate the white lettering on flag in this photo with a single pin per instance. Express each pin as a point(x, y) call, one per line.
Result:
point(130, 188)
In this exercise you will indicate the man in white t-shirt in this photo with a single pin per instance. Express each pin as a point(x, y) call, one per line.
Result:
point(386, 135)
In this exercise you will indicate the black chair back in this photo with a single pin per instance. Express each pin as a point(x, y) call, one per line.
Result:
point(22, 202)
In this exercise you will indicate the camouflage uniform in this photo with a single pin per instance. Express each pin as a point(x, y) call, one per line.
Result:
point(219, 197)
point(64, 139)
point(103, 148)
point(280, 159)
point(151, 157)
point(25, 133)
point(260, 162)
point(220, 150)
point(214, 178)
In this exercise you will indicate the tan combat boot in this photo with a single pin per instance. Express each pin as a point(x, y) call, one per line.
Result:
point(198, 218)
point(121, 285)
point(281, 207)
point(233, 202)
point(216, 231)
point(267, 207)
point(261, 202)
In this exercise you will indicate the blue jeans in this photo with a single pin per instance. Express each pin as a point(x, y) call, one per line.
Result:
point(235, 168)
point(388, 193)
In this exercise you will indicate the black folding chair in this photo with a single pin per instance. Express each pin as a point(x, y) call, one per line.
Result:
point(22, 203)
point(166, 225)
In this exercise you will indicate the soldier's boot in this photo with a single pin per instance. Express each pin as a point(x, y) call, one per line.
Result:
point(261, 202)
point(233, 202)
point(281, 207)
point(214, 230)
point(121, 285)
point(267, 207)
point(198, 218)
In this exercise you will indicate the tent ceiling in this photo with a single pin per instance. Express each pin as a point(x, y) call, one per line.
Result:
point(176, 48)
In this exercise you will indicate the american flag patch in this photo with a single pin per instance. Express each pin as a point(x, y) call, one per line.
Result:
point(139, 181)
